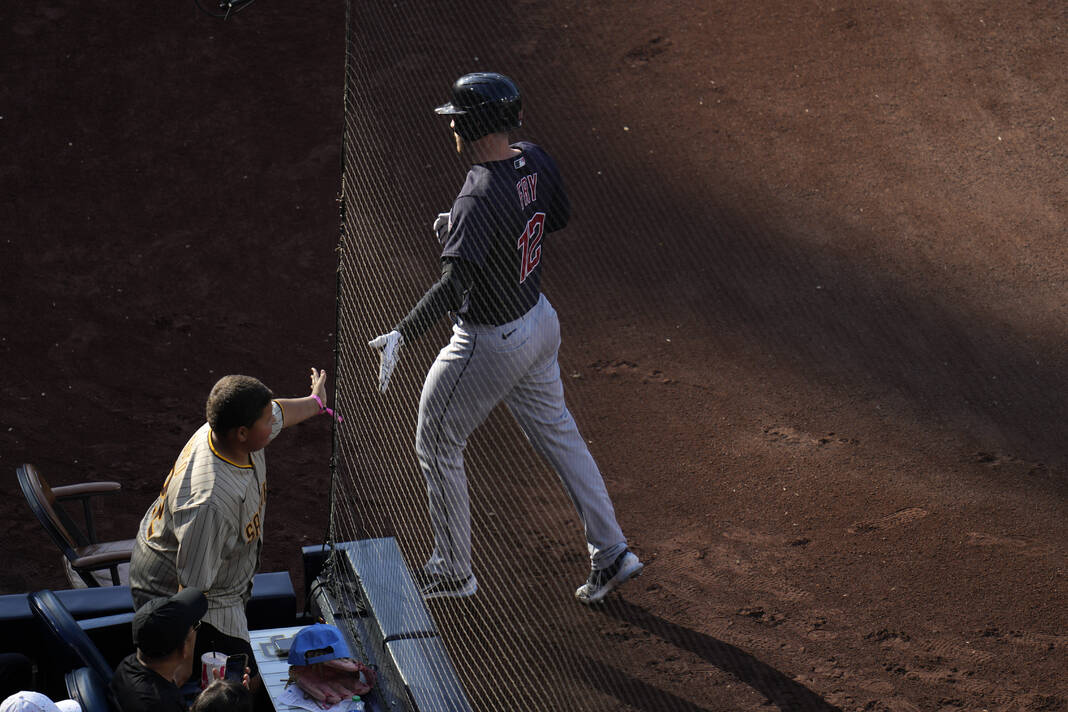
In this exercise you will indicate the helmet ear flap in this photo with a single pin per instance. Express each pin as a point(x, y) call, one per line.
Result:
point(474, 125)
point(467, 127)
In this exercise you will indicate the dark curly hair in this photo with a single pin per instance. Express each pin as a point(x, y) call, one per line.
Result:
point(236, 401)
point(223, 696)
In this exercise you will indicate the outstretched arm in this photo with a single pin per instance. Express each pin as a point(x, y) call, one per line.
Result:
point(297, 410)
point(446, 294)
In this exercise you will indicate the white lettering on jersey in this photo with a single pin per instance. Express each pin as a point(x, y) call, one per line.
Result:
point(527, 188)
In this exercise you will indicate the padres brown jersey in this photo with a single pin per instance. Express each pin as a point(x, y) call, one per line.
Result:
point(205, 530)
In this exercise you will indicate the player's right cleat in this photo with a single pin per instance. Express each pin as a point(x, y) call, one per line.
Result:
point(604, 581)
point(435, 586)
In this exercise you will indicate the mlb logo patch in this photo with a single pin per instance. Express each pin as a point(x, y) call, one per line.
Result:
point(520, 162)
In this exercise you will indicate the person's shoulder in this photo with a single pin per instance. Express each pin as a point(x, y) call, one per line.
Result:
point(132, 674)
point(532, 150)
point(211, 482)
point(536, 156)
point(129, 665)
point(133, 682)
point(197, 449)
point(470, 204)
point(478, 181)
point(210, 465)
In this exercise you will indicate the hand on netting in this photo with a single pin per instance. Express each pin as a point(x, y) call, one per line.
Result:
point(333, 681)
point(318, 384)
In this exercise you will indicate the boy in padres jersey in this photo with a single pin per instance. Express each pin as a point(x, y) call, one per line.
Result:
point(205, 529)
point(505, 340)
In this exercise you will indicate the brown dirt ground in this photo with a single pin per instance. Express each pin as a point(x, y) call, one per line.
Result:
point(825, 377)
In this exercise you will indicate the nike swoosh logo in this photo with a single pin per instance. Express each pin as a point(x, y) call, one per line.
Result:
point(505, 336)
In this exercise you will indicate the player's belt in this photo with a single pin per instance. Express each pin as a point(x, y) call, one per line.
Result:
point(459, 319)
point(503, 327)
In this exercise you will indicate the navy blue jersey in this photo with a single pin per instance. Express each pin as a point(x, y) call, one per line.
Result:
point(498, 224)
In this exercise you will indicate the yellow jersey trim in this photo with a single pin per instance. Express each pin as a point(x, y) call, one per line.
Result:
point(216, 453)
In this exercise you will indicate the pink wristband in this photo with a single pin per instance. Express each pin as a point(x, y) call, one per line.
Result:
point(324, 409)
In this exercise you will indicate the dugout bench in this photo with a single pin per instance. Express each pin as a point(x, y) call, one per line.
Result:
point(368, 591)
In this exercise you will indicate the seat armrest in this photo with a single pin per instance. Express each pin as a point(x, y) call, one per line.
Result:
point(98, 556)
point(85, 489)
point(83, 492)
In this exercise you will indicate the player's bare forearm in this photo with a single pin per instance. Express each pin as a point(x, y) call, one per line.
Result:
point(297, 410)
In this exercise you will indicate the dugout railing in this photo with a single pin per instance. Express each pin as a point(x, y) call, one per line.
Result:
point(365, 588)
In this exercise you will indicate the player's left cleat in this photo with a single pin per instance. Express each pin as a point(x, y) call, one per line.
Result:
point(604, 581)
point(434, 586)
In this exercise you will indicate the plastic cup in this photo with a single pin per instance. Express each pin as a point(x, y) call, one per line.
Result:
point(209, 663)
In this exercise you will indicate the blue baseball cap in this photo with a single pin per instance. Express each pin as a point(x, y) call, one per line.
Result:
point(317, 644)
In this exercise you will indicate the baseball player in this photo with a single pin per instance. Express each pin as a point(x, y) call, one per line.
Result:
point(205, 529)
point(505, 339)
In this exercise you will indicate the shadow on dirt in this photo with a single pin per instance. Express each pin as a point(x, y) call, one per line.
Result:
point(627, 689)
point(788, 695)
point(876, 330)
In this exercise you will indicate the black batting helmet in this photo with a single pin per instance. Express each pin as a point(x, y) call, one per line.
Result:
point(483, 103)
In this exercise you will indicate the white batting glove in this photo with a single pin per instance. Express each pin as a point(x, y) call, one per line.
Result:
point(441, 227)
point(389, 348)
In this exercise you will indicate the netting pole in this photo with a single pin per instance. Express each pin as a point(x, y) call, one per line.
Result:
point(331, 533)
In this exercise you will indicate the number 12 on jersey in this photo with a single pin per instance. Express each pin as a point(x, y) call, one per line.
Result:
point(530, 246)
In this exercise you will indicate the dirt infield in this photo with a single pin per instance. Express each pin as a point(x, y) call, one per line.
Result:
point(823, 365)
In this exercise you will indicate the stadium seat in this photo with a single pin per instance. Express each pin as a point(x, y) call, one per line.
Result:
point(87, 688)
point(66, 631)
point(88, 562)
point(105, 615)
point(273, 603)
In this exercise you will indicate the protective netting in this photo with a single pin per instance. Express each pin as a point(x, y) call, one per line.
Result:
point(522, 642)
